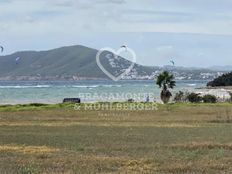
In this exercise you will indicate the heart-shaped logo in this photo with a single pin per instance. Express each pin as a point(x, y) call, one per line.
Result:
point(116, 56)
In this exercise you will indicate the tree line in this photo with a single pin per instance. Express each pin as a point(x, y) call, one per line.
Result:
point(224, 80)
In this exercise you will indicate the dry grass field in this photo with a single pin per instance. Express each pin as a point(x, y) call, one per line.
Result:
point(176, 138)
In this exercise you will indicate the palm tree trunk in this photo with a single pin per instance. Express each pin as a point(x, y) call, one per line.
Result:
point(165, 95)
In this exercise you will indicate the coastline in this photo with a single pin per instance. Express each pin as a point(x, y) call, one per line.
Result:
point(221, 92)
point(229, 88)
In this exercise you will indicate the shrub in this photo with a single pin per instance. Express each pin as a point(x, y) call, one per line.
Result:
point(194, 98)
point(179, 97)
point(230, 100)
point(209, 99)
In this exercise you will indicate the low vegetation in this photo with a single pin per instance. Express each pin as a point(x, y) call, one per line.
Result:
point(230, 100)
point(194, 98)
point(209, 98)
point(177, 138)
point(179, 97)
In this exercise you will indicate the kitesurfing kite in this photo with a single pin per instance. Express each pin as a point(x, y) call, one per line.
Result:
point(109, 56)
point(124, 46)
point(2, 49)
point(17, 60)
point(172, 62)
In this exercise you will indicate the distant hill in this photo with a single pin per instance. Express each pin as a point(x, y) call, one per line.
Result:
point(73, 62)
point(79, 62)
point(57, 63)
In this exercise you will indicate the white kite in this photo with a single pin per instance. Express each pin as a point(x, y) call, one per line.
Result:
point(2, 48)
point(17, 60)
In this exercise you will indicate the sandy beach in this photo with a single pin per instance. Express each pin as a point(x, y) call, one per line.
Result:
point(221, 92)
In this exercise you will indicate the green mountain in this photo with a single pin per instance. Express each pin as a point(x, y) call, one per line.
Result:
point(79, 62)
point(73, 62)
point(57, 63)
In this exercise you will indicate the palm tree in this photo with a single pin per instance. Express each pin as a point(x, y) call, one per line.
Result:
point(165, 80)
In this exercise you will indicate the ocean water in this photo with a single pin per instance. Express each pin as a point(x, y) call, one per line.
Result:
point(22, 92)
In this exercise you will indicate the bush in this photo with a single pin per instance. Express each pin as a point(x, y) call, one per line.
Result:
point(179, 97)
point(209, 99)
point(230, 99)
point(194, 98)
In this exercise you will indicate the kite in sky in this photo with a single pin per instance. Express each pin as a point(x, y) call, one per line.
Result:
point(172, 62)
point(17, 60)
point(124, 46)
point(2, 49)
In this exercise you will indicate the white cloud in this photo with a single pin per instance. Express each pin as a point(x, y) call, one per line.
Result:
point(176, 16)
point(44, 24)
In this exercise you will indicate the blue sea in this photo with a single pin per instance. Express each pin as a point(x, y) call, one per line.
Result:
point(22, 92)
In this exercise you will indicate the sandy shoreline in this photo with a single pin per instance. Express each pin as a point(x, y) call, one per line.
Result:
point(221, 92)
point(229, 88)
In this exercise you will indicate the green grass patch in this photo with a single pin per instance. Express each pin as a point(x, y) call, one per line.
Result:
point(176, 138)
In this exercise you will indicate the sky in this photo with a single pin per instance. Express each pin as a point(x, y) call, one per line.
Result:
point(193, 33)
